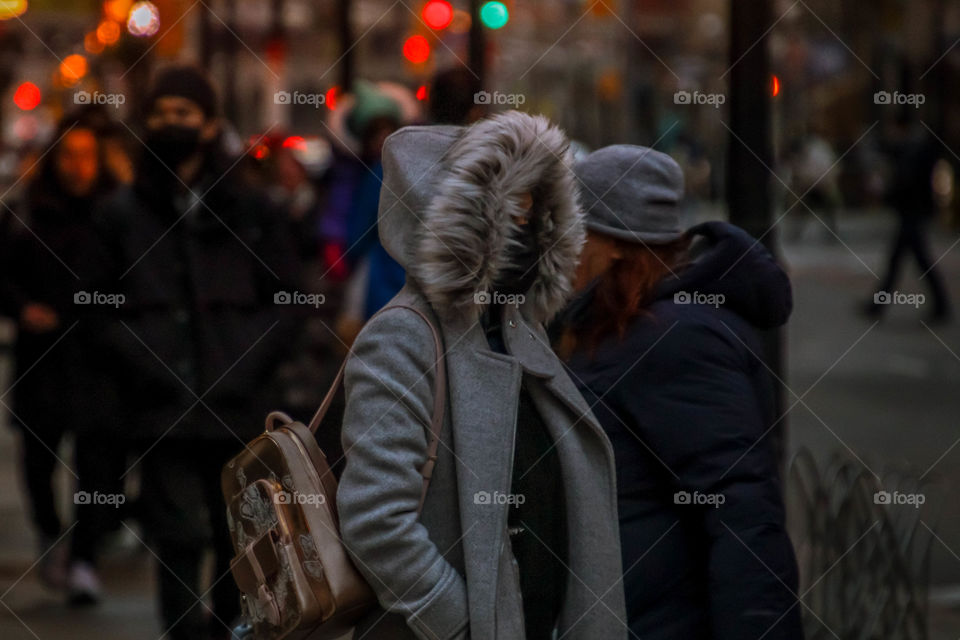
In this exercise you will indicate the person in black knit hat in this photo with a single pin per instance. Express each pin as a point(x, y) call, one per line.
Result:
point(199, 257)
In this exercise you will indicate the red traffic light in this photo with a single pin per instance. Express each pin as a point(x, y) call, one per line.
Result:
point(438, 14)
point(27, 96)
point(416, 49)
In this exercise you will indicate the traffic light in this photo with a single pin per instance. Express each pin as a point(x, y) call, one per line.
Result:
point(416, 49)
point(27, 96)
point(494, 15)
point(438, 14)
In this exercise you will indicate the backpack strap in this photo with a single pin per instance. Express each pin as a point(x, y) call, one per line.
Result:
point(439, 401)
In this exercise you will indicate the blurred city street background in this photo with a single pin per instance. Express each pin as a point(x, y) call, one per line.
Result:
point(780, 112)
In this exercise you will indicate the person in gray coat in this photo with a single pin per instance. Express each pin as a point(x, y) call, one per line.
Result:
point(518, 535)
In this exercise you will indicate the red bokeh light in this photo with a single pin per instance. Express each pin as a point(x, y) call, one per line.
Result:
point(438, 14)
point(330, 97)
point(422, 92)
point(416, 49)
point(775, 86)
point(294, 142)
point(27, 96)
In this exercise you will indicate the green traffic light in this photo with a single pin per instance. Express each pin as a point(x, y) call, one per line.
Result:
point(494, 15)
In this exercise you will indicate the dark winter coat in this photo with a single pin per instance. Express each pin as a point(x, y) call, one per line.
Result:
point(58, 385)
point(687, 403)
point(197, 339)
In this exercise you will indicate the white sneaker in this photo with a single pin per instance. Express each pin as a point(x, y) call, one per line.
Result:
point(84, 585)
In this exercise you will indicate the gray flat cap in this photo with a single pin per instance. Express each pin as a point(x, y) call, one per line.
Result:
point(631, 193)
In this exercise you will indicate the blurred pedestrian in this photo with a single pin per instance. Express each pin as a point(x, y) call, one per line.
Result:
point(914, 153)
point(200, 260)
point(58, 388)
point(517, 537)
point(375, 276)
point(662, 341)
point(453, 97)
point(815, 185)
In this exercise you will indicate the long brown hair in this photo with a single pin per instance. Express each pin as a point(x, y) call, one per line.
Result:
point(623, 292)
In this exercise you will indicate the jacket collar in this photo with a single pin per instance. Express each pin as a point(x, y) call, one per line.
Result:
point(526, 341)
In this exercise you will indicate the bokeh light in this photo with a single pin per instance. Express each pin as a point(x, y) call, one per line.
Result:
point(144, 20)
point(416, 49)
point(72, 69)
point(92, 44)
point(461, 21)
point(294, 142)
point(117, 10)
point(494, 15)
point(330, 97)
point(12, 8)
point(27, 96)
point(108, 32)
point(438, 14)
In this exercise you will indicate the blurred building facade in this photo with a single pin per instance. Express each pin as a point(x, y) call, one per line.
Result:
point(607, 71)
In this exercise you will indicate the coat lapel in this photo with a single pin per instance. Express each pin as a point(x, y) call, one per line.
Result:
point(484, 388)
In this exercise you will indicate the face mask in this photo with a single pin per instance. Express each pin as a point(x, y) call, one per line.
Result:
point(522, 269)
point(173, 144)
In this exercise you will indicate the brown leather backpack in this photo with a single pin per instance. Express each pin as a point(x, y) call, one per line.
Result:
point(291, 567)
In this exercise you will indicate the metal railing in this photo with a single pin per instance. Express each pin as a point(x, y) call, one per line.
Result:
point(862, 548)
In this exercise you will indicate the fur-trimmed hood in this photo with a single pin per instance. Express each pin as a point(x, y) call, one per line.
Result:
point(447, 200)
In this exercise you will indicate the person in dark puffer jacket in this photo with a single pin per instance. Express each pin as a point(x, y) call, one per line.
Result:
point(662, 341)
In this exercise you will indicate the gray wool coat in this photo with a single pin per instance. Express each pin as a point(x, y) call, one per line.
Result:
point(445, 216)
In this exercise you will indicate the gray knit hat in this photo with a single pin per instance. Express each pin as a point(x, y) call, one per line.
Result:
point(631, 193)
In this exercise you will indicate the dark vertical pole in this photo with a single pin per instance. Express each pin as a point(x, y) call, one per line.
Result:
point(206, 38)
point(478, 43)
point(748, 180)
point(231, 49)
point(748, 158)
point(938, 75)
point(346, 43)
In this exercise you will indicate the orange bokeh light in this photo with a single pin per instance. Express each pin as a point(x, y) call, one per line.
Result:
point(73, 68)
point(92, 43)
point(108, 32)
point(117, 10)
point(775, 86)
